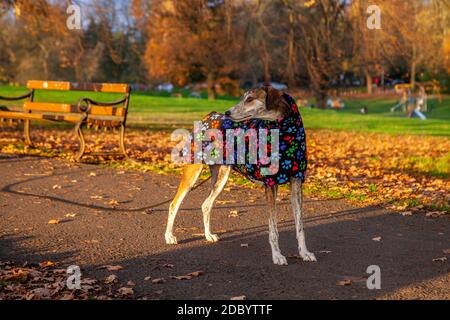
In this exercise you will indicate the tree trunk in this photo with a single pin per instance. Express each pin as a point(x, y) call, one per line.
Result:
point(211, 88)
point(368, 81)
point(265, 58)
point(321, 98)
point(291, 58)
point(413, 68)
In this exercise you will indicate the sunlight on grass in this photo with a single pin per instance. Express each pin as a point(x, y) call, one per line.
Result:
point(149, 110)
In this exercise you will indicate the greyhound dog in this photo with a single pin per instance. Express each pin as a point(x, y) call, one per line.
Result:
point(264, 103)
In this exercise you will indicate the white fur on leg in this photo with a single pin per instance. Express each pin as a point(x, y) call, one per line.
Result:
point(308, 256)
point(219, 179)
point(277, 257)
point(170, 238)
point(183, 190)
point(211, 237)
point(296, 201)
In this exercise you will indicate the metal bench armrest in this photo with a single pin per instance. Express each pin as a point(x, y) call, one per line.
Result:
point(105, 104)
point(27, 95)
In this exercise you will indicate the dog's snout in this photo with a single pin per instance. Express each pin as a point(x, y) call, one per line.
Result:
point(228, 113)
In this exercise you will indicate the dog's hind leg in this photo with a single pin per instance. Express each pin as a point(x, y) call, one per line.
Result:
point(219, 176)
point(271, 197)
point(297, 202)
point(190, 175)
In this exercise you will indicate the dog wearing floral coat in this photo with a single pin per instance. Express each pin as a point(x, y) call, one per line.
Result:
point(259, 110)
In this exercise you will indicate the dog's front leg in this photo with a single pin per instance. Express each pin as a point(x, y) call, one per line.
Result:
point(297, 202)
point(271, 197)
point(191, 173)
point(219, 176)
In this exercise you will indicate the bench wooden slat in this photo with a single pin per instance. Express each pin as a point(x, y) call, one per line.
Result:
point(50, 107)
point(39, 116)
point(107, 111)
point(81, 86)
point(68, 108)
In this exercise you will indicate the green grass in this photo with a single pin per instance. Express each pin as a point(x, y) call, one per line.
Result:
point(436, 167)
point(148, 109)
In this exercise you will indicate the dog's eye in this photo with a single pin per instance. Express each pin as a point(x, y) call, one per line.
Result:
point(249, 99)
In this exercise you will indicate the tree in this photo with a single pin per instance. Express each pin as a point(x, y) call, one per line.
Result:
point(192, 37)
point(322, 30)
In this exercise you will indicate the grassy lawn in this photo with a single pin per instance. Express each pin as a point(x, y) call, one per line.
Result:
point(147, 109)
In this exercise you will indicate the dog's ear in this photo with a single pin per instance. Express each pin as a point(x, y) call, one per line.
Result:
point(275, 100)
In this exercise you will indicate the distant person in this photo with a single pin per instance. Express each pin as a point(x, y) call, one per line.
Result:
point(421, 102)
point(364, 110)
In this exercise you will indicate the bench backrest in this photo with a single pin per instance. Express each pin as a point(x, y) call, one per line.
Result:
point(119, 110)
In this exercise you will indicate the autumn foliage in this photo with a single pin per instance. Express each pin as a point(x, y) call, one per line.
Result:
point(368, 169)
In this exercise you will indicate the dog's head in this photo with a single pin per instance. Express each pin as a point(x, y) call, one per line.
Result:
point(264, 103)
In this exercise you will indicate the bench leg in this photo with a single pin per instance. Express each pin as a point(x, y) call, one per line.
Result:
point(26, 132)
point(122, 141)
point(80, 135)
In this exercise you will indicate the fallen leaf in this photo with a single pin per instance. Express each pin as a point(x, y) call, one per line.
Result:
point(88, 281)
point(90, 241)
point(182, 277)
point(46, 264)
point(238, 298)
point(196, 273)
point(41, 293)
point(219, 202)
point(126, 291)
point(113, 203)
point(67, 296)
point(233, 214)
point(112, 268)
point(158, 280)
point(435, 214)
point(345, 282)
point(198, 234)
point(111, 279)
point(441, 259)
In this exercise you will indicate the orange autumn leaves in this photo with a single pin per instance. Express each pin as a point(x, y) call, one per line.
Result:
point(378, 168)
point(368, 168)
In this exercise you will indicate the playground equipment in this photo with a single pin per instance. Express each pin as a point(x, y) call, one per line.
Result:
point(416, 104)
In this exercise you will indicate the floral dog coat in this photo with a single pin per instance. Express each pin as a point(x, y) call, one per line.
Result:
point(291, 155)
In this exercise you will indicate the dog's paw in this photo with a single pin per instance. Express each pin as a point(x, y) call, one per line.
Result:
point(171, 239)
point(279, 259)
point(308, 256)
point(212, 237)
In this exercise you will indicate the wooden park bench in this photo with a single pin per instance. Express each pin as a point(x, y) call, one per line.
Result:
point(85, 112)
